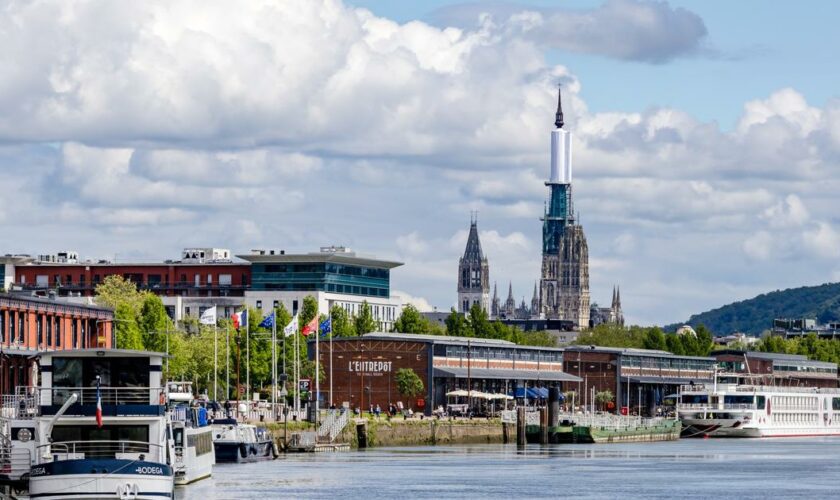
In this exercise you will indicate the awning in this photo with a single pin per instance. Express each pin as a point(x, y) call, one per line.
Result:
point(663, 381)
point(532, 392)
point(500, 374)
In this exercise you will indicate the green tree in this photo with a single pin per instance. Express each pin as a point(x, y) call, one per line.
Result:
point(409, 384)
point(127, 332)
point(705, 341)
point(342, 323)
point(603, 398)
point(457, 325)
point(410, 321)
point(155, 324)
point(654, 339)
point(479, 324)
point(674, 344)
point(115, 290)
point(364, 321)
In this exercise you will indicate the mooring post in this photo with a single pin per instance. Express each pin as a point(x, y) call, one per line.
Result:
point(520, 426)
point(543, 425)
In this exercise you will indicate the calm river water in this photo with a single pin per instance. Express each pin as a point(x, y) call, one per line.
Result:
point(784, 468)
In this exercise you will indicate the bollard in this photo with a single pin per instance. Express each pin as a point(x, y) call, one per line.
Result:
point(543, 425)
point(520, 426)
point(553, 406)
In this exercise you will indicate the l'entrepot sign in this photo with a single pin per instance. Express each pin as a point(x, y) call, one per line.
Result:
point(370, 368)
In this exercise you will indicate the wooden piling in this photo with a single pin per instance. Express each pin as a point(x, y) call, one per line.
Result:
point(520, 427)
point(543, 425)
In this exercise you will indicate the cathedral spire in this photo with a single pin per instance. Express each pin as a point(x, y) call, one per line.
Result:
point(510, 292)
point(618, 297)
point(473, 250)
point(558, 117)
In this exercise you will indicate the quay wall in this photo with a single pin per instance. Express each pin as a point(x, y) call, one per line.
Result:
point(426, 432)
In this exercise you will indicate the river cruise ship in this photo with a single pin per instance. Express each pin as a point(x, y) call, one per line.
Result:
point(733, 410)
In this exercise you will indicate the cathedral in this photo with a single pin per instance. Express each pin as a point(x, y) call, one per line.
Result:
point(564, 286)
point(473, 274)
point(563, 289)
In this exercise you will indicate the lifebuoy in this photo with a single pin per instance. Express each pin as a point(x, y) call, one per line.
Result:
point(162, 398)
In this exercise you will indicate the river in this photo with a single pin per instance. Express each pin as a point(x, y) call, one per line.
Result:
point(694, 468)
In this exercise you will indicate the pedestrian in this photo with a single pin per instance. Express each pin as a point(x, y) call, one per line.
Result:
point(378, 411)
point(227, 409)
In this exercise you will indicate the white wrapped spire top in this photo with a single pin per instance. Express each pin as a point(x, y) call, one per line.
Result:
point(561, 148)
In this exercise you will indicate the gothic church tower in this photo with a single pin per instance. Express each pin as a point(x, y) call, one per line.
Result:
point(564, 287)
point(473, 274)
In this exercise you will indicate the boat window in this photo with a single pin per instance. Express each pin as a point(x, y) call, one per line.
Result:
point(738, 399)
point(835, 403)
point(114, 372)
point(695, 399)
point(760, 402)
point(88, 439)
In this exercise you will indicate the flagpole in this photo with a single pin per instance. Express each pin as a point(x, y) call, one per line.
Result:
point(215, 362)
point(247, 355)
point(329, 319)
point(317, 371)
point(227, 363)
point(273, 362)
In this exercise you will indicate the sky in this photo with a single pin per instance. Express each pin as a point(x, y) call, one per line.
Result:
point(706, 137)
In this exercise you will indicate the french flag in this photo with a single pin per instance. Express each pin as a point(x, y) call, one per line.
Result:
point(240, 319)
point(98, 404)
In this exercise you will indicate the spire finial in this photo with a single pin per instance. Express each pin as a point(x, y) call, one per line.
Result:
point(558, 118)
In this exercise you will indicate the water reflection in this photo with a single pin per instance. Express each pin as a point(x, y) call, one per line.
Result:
point(699, 468)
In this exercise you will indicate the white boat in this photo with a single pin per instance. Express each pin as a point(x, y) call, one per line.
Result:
point(191, 433)
point(130, 455)
point(238, 442)
point(733, 410)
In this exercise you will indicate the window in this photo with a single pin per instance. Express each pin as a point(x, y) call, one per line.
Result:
point(69, 280)
point(49, 330)
point(74, 331)
point(294, 307)
point(2, 326)
point(276, 304)
point(96, 279)
point(225, 280)
point(39, 327)
point(82, 279)
point(42, 280)
point(259, 304)
point(11, 326)
point(58, 331)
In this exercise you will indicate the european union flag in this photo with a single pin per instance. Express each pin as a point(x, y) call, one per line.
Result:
point(325, 327)
point(268, 321)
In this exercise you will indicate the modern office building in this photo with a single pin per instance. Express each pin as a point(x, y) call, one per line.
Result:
point(208, 277)
point(30, 325)
point(334, 276)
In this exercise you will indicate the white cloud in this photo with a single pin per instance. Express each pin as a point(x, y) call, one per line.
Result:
point(141, 128)
point(623, 29)
point(420, 303)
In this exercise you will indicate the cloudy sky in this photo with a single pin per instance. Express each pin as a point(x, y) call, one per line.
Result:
point(707, 136)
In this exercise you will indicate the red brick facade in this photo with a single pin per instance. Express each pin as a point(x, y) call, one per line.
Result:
point(29, 325)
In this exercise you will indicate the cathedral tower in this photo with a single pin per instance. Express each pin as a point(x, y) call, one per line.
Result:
point(473, 274)
point(564, 286)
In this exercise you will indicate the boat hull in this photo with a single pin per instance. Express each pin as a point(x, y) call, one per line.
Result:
point(231, 452)
point(101, 478)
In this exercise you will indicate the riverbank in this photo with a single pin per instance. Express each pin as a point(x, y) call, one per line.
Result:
point(411, 432)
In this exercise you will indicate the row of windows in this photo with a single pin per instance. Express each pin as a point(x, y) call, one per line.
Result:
point(328, 287)
point(808, 369)
point(48, 328)
point(457, 351)
point(666, 363)
point(342, 269)
point(150, 280)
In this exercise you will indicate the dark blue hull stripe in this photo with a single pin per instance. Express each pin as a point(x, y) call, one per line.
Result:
point(101, 466)
point(98, 494)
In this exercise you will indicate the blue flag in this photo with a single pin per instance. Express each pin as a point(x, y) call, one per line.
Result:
point(268, 321)
point(326, 327)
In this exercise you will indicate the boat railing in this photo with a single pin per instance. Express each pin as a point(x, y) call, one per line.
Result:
point(109, 395)
point(693, 388)
point(709, 406)
point(14, 462)
point(73, 450)
point(20, 406)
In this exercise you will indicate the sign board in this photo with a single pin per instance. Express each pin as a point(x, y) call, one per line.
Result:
point(304, 384)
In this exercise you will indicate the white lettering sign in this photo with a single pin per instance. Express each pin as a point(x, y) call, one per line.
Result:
point(369, 366)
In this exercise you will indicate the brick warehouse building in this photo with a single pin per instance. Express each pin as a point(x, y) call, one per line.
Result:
point(29, 325)
point(364, 368)
point(640, 379)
